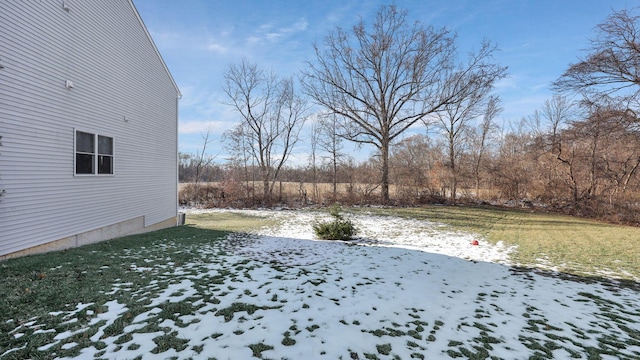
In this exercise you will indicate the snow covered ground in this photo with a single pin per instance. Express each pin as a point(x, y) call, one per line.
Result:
point(406, 289)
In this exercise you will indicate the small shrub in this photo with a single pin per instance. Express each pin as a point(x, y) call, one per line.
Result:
point(338, 229)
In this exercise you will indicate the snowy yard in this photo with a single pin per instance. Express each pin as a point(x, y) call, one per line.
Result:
point(407, 289)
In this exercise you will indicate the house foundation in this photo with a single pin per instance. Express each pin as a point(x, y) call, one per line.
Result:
point(123, 228)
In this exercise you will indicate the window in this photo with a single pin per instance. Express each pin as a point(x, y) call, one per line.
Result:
point(105, 155)
point(94, 154)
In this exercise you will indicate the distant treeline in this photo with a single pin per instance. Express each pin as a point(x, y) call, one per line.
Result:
point(587, 167)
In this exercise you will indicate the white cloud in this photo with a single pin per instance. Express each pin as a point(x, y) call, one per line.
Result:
point(193, 127)
point(201, 127)
point(203, 103)
point(166, 38)
point(300, 25)
point(273, 37)
point(271, 33)
point(253, 39)
point(509, 82)
point(216, 47)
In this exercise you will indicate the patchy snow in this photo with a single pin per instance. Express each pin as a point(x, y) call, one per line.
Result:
point(405, 289)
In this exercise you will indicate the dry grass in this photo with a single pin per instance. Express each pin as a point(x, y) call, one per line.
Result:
point(228, 221)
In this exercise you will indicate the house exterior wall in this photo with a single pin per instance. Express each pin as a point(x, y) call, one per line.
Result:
point(121, 89)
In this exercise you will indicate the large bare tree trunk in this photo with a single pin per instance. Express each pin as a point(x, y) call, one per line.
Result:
point(384, 190)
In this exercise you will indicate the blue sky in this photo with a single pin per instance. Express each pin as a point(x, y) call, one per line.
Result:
point(199, 39)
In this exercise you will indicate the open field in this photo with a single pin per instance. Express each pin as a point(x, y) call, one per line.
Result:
point(324, 191)
point(411, 286)
point(296, 191)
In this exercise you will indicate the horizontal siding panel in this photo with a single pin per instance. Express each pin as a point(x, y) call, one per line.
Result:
point(102, 48)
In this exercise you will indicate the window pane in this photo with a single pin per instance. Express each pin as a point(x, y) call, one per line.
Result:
point(84, 142)
point(105, 164)
point(105, 145)
point(84, 163)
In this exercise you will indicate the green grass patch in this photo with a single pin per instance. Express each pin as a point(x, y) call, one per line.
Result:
point(257, 349)
point(35, 285)
point(47, 287)
point(384, 349)
point(287, 340)
point(169, 341)
point(228, 312)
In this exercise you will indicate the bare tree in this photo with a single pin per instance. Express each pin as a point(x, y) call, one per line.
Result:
point(601, 137)
point(554, 163)
point(621, 157)
point(557, 111)
point(383, 79)
point(612, 66)
point(202, 161)
point(481, 137)
point(471, 84)
point(514, 165)
point(412, 161)
point(331, 142)
point(273, 114)
point(239, 148)
point(314, 137)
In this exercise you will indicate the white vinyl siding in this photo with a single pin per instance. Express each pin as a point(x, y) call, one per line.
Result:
point(121, 89)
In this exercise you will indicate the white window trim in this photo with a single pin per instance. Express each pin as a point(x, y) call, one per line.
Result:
point(96, 154)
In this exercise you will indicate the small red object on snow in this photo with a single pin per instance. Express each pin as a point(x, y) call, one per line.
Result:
point(475, 242)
